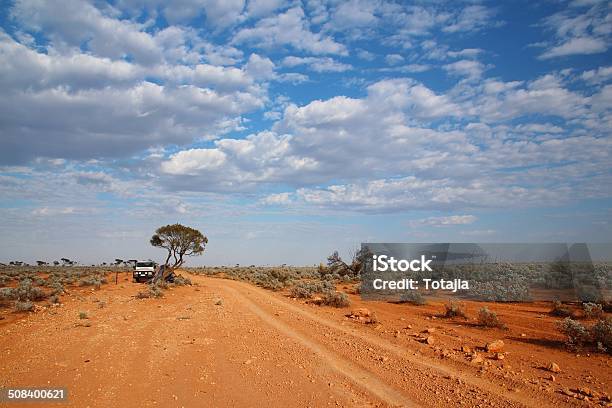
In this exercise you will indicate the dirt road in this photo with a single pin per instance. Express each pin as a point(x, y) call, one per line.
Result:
point(225, 343)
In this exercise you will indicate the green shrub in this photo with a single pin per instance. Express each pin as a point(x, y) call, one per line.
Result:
point(559, 310)
point(592, 310)
point(577, 334)
point(305, 290)
point(153, 291)
point(83, 315)
point(336, 299)
point(181, 280)
point(487, 318)
point(413, 296)
point(454, 309)
point(601, 333)
point(24, 306)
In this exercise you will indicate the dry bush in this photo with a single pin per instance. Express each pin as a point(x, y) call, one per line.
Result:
point(413, 296)
point(487, 318)
point(601, 333)
point(577, 334)
point(24, 306)
point(454, 309)
point(152, 291)
point(560, 310)
point(181, 280)
point(598, 336)
point(305, 290)
point(592, 310)
point(335, 299)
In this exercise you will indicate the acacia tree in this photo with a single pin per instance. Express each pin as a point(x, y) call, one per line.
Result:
point(180, 241)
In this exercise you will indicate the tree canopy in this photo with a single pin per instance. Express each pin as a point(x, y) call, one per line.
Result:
point(180, 241)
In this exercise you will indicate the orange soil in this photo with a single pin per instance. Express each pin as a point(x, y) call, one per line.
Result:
point(228, 343)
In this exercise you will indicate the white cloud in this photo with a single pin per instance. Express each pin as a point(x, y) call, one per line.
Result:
point(445, 221)
point(577, 46)
point(468, 68)
point(193, 161)
point(394, 59)
point(73, 23)
point(277, 199)
point(471, 18)
point(262, 8)
point(579, 31)
point(288, 28)
point(597, 76)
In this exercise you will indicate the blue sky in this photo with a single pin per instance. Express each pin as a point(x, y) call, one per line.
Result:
point(287, 129)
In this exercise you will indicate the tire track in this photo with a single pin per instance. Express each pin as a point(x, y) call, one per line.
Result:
point(364, 379)
point(400, 352)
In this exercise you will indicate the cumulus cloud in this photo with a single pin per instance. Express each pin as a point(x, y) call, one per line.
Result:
point(579, 30)
point(445, 221)
point(290, 28)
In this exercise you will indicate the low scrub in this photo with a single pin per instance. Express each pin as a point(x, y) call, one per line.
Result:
point(598, 336)
point(488, 318)
point(454, 309)
point(335, 299)
point(592, 310)
point(181, 280)
point(152, 291)
point(414, 297)
point(306, 290)
point(24, 306)
point(560, 310)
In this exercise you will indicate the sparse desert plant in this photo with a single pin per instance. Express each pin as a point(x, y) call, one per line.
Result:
point(24, 306)
point(152, 291)
point(181, 280)
point(454, 309)
point(413, 296)
point(560, 310)
point(577, 334)
point(488, 318)
point(95, 280)
point(7, 294)
point(305, 290)
point(592, 310)
point(83, 315)
point(601, 333)
point(335, 299)
point(25, 291)
point(54, 299)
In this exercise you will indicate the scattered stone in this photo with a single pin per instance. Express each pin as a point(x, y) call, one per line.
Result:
point(429, 340)
point(466, 349)
point(363, 315)
point(499, 356)
point(477, 359)
point(429, 330)
point(587, 392)
point(552, 378)
point(361, 312)
point(553, 367)
point(218, 301)
point(495, 347)
point(568, 392)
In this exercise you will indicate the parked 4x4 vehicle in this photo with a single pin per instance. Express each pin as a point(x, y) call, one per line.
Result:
point(144, 271)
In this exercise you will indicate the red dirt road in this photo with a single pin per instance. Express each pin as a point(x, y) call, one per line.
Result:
point(225, 343)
